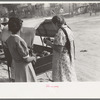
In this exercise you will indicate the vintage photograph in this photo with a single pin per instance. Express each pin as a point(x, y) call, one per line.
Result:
point(50, 42)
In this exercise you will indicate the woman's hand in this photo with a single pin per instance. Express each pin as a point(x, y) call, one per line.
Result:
point(57, 48)
point(47, 41)
point(30, 59)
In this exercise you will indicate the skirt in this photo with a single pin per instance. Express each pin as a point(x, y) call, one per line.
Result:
point(24, 72)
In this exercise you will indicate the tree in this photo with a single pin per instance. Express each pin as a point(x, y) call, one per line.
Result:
point(3, 11)
point(11, 8)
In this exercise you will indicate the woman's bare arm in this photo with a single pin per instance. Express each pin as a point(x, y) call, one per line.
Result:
point(30, 59)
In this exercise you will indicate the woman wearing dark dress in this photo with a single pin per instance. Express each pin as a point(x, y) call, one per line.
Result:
point(24, 71)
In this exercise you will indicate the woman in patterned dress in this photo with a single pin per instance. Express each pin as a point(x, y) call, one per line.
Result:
point(24, 71)
point(63, 56)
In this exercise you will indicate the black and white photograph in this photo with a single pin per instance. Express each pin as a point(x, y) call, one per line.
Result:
point(49, 42)
point(49, 49)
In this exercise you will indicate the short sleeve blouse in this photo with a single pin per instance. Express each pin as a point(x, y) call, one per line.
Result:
point(22, 48)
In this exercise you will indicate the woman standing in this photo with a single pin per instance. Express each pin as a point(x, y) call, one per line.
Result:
point(24, 71)
point(63, 52)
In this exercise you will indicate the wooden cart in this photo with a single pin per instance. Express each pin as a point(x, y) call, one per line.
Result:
point(45, 29)
point(44, 63)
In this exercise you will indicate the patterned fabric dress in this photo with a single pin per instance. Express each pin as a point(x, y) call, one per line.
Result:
point(62, 69)
point(24, 71)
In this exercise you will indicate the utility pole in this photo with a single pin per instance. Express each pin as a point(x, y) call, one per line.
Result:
point(73, 9)
point(69, 8)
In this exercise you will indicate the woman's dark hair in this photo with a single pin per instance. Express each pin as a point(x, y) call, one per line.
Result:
point(60, 21)
point(14, 24)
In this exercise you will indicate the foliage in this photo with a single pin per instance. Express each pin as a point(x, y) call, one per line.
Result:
point(3, 11)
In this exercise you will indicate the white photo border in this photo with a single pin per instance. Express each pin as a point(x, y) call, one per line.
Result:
point(57, 90)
